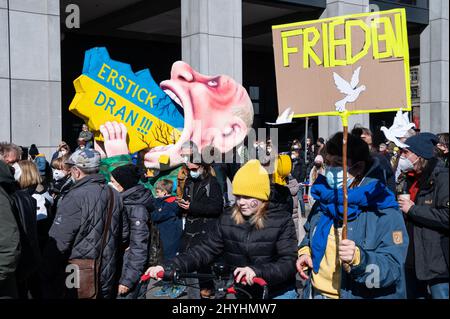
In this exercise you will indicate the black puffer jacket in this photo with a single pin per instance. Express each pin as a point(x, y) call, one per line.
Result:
point(271, 251)
point(138, 203)
point(78, 226)
point(429, 218)
point(206, 206)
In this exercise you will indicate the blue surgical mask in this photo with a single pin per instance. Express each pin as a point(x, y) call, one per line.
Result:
point(194, 175)
point(335, 177)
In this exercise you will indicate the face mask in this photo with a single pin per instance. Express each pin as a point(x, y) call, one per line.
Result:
point(17, 171)
point(335, 177)
point(194, 175)
point(405, 165)
point(63, 153)
point(293, 157)
point(58, 174)
point(113, 186)
point(318, 165)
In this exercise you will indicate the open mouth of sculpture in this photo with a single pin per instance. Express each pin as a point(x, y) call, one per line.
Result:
point(181, 98)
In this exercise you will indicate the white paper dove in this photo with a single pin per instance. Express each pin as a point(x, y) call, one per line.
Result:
point(284, 118)
point(350, 89)
point(398, 129)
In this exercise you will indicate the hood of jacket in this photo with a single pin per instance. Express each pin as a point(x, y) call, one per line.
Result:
point(375, 172)
point(138, 195)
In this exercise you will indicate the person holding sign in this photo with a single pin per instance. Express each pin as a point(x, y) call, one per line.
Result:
point(426, 208)
point(370, 262)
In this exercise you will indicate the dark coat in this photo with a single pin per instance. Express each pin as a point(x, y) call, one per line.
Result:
point(299, 169)
point(386, 173)
point(77, 228)
point(167, 219)
point(25, 210)
point(270, 251)
point(138, 203)
point(9, 236)
point(206, 206)
point(281, 198)
point(429, 217)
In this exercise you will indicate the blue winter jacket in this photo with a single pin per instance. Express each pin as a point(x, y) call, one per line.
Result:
point(383, 242)
point(167, 220)
point(41, 163)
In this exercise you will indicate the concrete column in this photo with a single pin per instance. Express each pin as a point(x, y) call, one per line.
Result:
point(328, 125)
point(30, 73)
point(212, 36)
point(434, 70)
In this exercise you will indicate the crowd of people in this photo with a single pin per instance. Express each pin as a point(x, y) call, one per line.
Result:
point(281, 220)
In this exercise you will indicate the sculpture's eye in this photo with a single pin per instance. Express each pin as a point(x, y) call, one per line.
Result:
point(213, 83)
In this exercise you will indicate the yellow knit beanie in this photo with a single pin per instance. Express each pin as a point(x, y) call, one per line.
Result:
point(252, 180)
point(283, 167)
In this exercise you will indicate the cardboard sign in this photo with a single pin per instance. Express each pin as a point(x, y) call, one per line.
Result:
point(357, 63)
point(110, 91)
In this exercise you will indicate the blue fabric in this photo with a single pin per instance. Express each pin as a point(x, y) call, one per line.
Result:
point(41, 164)
point(290, 294)
point(439, 291)
point(373, 196)
point(170, 226)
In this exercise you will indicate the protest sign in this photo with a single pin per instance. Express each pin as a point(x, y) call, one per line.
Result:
point(109, 90)
point(357, 63)
point(342, 66)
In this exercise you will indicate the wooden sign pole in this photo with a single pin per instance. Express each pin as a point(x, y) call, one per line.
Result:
point(344, 117)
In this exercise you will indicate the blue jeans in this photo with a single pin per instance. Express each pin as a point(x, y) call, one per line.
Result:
point(316, 294)
point(439, 291)
point(301, 203)
point(290, 294)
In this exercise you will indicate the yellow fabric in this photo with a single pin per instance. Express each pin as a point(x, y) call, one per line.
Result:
point(252, 180)
point(328, 279)
point(357, 258)
point(283, 167)
point(305, 250)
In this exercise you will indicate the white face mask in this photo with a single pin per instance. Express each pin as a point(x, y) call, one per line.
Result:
point(17, 171)
point(195, 175)
point(63, 153)
point(58, 174)
point(405, 164)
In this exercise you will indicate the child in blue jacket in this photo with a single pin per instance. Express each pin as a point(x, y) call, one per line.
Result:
point(167, 219)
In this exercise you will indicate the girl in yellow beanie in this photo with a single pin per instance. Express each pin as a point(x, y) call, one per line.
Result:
point(253, 240)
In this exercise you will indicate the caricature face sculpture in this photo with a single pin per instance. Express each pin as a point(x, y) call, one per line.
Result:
point(212, 111)
point(217, 112)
